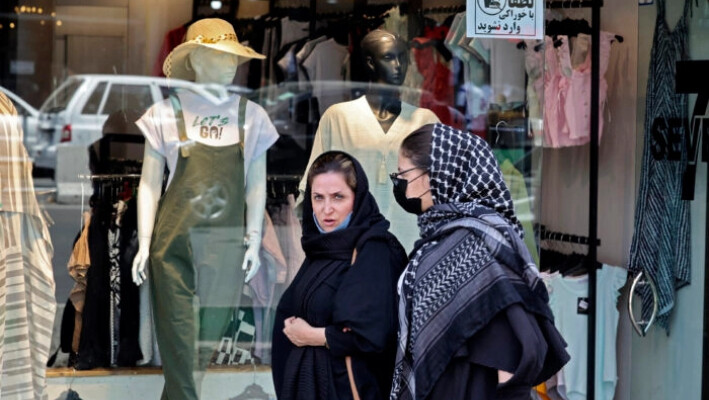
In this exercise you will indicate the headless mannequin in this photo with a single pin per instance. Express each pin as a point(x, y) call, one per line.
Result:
point(387, 60)
point(216, 68)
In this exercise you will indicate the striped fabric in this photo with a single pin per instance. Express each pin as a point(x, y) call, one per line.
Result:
point(27, 303)
point(16, 190)
point(661, 241)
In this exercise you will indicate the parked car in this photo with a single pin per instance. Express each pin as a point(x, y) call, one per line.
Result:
point(75, 112)
point(29, 117)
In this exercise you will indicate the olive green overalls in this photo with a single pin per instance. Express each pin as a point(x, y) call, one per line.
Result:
point(195, 256)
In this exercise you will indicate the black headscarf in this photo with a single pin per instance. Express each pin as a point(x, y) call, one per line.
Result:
point(305, 372)
point(367, 223)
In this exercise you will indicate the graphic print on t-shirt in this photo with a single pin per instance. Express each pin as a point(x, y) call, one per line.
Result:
point(210, 127)
point(209, 123)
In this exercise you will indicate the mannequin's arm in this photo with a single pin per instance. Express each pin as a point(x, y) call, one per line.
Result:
point(148, 196)
point(255, 209)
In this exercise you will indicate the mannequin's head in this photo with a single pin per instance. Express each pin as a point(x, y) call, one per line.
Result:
point(212, 66)
point(210, 53)
point(386, 57)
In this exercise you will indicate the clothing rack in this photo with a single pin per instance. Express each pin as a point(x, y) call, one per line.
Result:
point(574, 4)
point(595, 6)
point(444, 10)
point(108, 177)
point(545, 234)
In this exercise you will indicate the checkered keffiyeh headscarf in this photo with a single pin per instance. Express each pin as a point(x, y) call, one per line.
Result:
point(464, 172)
point(470, 263)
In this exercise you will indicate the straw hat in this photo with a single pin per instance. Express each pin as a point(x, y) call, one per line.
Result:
point(213, 33)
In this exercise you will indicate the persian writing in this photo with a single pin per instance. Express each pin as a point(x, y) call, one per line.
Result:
point(505, 18)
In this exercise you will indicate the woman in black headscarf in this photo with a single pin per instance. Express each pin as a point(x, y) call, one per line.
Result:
point(473, 316)
point(338, 316)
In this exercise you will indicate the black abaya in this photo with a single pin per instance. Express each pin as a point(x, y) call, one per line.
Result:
point(330, 292)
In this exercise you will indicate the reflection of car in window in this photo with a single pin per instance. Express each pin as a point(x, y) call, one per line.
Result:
point(75, 112)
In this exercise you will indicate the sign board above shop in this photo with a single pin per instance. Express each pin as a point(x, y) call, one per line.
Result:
point(509, 19)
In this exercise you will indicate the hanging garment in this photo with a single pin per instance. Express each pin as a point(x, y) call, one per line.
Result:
point(578, 97)
point(352, 127)
point(554, 84)
point(128, 348)
point(114, 273)
point(327, 62)
point(196, 254)
point(27, 303)
point(79, 263)
point(661, 241)
point(95, 340)
point(565, 297)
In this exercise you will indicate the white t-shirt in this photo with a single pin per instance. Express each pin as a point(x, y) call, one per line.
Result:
point(565, 294)
point(207, 123)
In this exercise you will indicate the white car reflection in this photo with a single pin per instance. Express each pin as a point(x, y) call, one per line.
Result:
point(74, 114)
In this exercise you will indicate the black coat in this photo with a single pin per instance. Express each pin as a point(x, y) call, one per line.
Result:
point(330, 292)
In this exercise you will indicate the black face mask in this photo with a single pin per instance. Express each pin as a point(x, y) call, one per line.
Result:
point(411, 205)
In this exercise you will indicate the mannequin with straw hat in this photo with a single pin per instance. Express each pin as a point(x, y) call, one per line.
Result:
point(210, 217)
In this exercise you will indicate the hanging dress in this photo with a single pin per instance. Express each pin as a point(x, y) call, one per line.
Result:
point(661, 240)
point(27, 304)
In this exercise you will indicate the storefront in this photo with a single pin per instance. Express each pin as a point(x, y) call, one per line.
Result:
point(83, 72)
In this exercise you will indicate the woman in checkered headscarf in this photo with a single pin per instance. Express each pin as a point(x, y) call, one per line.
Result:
point(473, 315)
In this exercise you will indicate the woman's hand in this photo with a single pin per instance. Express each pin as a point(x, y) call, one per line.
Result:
point(300, 333)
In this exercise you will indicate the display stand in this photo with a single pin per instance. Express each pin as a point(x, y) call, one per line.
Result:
point(595, 6)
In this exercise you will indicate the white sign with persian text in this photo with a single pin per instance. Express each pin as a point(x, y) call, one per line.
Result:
point(511, 19)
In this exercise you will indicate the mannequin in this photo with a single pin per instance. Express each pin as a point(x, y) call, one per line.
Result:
point(211, 68)
point(194, 236)
point(372, 127)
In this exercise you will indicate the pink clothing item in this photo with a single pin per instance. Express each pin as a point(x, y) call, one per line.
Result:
point(553, 83)
point(567, 89)
point(577, 107)
point(561, 137)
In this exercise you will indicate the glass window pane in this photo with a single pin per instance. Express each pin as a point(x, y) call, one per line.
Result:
point(59, 100)
point(127, 96)
point(94, 102)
